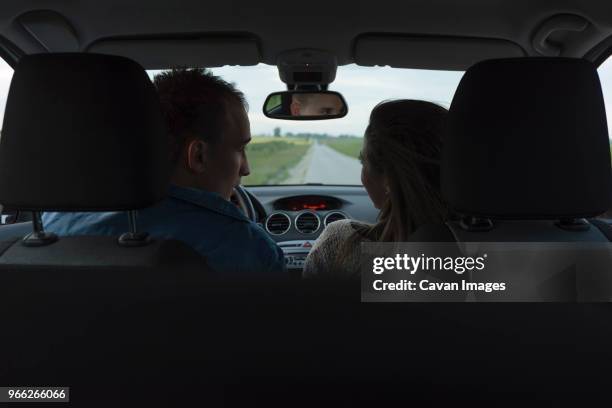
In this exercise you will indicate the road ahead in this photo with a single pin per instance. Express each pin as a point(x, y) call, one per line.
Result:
point(322, 164)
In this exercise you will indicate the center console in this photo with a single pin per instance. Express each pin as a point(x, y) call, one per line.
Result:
point(295, 255)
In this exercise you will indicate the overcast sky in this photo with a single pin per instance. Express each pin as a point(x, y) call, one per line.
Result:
point(362, 87)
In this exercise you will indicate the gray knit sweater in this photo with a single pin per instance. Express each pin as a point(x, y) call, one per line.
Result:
point(324, 261)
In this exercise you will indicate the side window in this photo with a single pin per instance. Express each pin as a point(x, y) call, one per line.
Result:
point(605, 75)
point(6, 73)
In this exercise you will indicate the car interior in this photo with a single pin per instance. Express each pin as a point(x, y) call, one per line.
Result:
point(130, 320)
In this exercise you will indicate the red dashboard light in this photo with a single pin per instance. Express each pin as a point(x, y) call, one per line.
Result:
point(315, 207)
point(301, 203)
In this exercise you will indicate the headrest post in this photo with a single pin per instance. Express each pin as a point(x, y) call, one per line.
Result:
point(573, 224)
point(133, 237)
point(132, 221)
point(476, 224)
point(37, 223)
point(38, 237)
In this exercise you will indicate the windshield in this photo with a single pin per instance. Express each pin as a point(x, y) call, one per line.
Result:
point(297, 152)
point(325, 151)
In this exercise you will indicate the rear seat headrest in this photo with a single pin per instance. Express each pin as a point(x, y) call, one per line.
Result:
point(527, 138)
point(82, 132)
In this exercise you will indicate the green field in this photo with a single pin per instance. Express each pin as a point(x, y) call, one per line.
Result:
point(351, 146)
point(270, 158)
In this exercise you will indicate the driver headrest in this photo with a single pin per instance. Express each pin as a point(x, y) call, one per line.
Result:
point(82, 132)
point(527, 138)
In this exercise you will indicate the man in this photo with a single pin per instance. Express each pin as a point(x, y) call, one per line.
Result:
point(209, 130)
point(315, 104)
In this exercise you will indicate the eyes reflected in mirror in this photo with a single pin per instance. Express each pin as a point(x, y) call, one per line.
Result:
point(305, 105)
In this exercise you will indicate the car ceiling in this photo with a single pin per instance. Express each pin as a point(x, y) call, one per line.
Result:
point(438, 34)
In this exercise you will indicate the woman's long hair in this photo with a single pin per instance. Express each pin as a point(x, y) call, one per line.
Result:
point(402, 142)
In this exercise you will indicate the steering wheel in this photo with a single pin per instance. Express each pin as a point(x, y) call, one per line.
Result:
point(241, 198)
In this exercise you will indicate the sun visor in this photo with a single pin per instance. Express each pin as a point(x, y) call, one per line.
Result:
point(160, 53)
point(49, 31)
point(425, 52)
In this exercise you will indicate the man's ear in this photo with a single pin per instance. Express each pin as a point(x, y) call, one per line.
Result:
point(197, 154)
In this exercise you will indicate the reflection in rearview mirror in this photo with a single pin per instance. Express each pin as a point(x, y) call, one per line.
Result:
point(305, 105)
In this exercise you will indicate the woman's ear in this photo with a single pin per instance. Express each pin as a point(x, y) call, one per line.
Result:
point(196, 155)
point(386, 185)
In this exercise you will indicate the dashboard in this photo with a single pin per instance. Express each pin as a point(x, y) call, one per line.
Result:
point(295, 216)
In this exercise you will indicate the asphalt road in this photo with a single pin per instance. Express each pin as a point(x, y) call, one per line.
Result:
point(322, 164)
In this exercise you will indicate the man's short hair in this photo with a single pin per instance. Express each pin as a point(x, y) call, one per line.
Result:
point(196, 103)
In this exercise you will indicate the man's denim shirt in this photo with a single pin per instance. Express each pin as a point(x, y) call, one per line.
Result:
point(205, 221)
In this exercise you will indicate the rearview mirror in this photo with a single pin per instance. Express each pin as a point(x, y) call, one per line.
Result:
point(305, 105)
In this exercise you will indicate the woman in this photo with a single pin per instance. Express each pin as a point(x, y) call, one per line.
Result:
point(401, 173)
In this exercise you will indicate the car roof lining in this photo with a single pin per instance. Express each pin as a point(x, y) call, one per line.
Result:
point(195, 33)
point(435, 52)
point(206, 50)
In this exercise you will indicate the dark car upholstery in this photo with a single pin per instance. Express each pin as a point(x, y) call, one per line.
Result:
point(525, 162)
point(83, 133)
point(526, 156)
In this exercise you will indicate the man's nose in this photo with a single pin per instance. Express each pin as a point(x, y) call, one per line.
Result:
point(244, 168)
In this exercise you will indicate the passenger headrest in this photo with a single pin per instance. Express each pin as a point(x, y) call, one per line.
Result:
point(527, 138)
point(82, 132)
